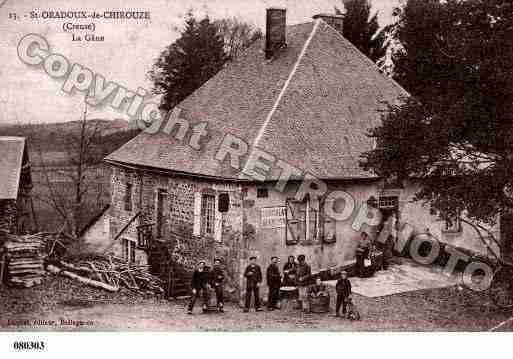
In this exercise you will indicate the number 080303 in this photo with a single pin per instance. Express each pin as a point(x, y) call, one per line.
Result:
point(29, 345)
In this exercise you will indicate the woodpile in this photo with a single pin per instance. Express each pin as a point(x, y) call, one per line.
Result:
point(24, 258)
point(110, 273)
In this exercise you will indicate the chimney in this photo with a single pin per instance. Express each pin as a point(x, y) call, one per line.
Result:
point(274, 31)
point(335, 21)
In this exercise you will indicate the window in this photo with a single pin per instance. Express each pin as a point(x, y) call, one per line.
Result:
point(207, 213)
point(223, 202)
point(388, 202)
point(262, 192)
point(302, 221)
point(128, 197)
point(128, 250)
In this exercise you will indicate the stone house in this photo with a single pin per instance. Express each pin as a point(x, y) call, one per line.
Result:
point(16, 212)
point(246, 164)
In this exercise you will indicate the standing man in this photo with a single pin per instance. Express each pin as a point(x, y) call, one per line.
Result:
point(253, 275)
point(217, 280)
point(362, 252)
point(343, 288)
point(199, 283)
point(274, 283)
point(304, 273)
point(289, 272)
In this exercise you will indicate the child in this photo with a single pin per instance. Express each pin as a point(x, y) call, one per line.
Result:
point(199, 286)
point(343, 288)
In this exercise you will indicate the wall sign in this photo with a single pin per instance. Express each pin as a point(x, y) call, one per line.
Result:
point(272, 217)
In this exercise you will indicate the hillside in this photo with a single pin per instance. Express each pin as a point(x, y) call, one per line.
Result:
point(52, 140)
point(50, 144)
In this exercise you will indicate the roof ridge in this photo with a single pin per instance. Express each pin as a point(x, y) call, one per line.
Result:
point(282, 92)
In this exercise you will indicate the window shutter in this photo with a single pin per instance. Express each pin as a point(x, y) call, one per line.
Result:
point(218, 224)
point(197, 214)
point(328, 225)
point(295, 218)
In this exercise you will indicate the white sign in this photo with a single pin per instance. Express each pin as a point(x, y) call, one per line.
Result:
point(272, 217)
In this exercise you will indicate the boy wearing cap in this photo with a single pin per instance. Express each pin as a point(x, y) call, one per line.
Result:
point(199, 283)
point(343, 288)
point(274, 283)
point(217, 281)
point(253, 275)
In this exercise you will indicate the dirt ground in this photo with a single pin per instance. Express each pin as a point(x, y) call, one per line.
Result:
point(72, 307)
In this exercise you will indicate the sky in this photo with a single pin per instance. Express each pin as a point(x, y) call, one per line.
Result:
point(29, 95)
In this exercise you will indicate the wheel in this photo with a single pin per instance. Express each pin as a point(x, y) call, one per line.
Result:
point(501, 288)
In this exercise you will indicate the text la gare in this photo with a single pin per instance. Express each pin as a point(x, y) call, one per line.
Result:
point(87, 37)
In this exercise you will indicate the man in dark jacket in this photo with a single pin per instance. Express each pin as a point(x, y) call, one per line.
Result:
point(199, 283)
point(217, 281)
point(253, 275)
point(274, 283)
point(304, 273)
point(343, 288)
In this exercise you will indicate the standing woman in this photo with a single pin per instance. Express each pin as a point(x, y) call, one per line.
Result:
point(388, 247)
point(362, 252)
point(289, 272)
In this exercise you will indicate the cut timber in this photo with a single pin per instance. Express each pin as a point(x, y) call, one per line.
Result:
point(25, 266)
point(24, 254)
point(25, 262)
point(23, 272)
point(75, 268)
point(26, 283)
point(90, 282)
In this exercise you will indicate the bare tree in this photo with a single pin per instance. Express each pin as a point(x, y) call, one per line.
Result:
point(237, 35)
point(83, 158)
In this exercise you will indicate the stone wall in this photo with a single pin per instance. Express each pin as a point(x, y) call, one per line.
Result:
point(178, 213)
point(8, 215)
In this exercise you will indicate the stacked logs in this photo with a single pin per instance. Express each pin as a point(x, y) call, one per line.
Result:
point(24, 258)
point(109, 273)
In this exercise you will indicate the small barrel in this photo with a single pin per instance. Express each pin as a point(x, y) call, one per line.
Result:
point(289, 293)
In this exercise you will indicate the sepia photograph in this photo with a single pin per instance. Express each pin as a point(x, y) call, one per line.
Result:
point(334, 166)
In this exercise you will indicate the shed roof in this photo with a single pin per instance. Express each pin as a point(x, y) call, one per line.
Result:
point(11, 162)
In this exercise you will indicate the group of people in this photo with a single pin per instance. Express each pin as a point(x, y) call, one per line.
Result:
point(295, 274)
point(203, 280)
point(379, 252)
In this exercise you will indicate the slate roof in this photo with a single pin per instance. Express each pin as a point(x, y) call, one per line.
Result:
point(11, 161)
point(309, 106)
